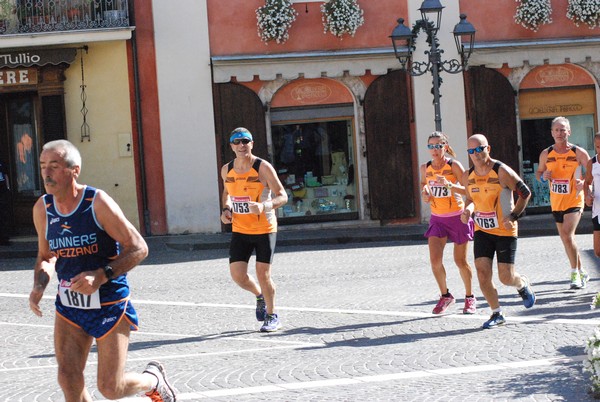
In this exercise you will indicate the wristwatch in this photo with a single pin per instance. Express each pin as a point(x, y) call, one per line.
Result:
point(109, 272)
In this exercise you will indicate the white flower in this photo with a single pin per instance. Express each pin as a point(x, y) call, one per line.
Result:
point(533, 13)
point(592, 362)
point(341, 17)
point(584, 11)
point(274, 20)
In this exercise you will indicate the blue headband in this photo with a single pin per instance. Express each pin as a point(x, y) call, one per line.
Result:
point(240, 133)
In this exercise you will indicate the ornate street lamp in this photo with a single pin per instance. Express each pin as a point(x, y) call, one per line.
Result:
point(403, 40)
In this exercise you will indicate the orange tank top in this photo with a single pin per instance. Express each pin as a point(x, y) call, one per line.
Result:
point(492, 202)
point(243, 188)
point(563, 194)
point(443, 201)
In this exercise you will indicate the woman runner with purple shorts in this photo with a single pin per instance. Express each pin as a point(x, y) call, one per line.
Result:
point(439, 180)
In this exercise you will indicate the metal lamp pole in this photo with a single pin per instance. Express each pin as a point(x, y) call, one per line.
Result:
point(403, 39)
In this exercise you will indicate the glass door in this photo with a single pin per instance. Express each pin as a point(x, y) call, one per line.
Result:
point(315, 162)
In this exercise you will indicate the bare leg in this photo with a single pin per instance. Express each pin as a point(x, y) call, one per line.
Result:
point(436, 256)
point(263, 273)
point(113, 381)
point(508, 276)
point(239, 274)
point(465, 270)
point(486, 283)
point(72, 346)
point(566, 230)
point(597, 243)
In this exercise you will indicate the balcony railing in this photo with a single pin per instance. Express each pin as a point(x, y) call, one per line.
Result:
point(46, 16)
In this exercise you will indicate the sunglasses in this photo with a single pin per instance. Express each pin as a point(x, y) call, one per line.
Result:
point(435, 146)
point(244, 141)
point(478, 149)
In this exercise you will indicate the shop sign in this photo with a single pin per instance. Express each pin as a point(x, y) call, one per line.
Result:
point(554, 76)
point(41, 57)
point(556, 109)
point(23, 76)
point(311, 93)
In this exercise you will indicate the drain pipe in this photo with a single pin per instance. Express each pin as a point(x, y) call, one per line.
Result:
point(140, 127)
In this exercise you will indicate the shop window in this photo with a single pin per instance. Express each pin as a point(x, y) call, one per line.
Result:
point(536, 136)
point(25, 144)
point(315, 163)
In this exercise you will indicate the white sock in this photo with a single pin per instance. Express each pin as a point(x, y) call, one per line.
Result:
point(497, 310)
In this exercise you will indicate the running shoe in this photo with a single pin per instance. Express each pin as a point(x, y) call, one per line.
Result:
point(443, 304)
point(527, 293)
point(584, 278)
point(261, 308)
point(576, 282)
point(271, 324)
point(495, 320)
point(163, 392)
point(470, 305)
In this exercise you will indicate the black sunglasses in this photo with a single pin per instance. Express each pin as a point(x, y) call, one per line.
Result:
point(435, 146)
point(242, 140)
point(478, 149)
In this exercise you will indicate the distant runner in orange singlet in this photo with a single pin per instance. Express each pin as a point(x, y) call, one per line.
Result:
point(252, 191)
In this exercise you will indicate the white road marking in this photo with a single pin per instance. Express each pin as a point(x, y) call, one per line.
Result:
point(261, 389)
point(408, 314)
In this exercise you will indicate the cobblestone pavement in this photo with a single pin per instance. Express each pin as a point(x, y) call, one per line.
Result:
point(357, 327)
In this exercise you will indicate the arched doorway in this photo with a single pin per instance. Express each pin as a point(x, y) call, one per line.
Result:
point(392, 171)
point(545, 93)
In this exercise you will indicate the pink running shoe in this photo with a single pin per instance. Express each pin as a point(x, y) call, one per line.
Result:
point(443, 304)
point(470, 305)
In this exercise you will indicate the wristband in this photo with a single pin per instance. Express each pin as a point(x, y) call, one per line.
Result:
point(226, 209)
point(268, 206)
point(542, 179)
point(514, 217)
point(449, 185)
point(109, 272)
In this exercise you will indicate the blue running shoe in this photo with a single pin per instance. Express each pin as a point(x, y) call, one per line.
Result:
point(271, 324)
point(261, 308)
point(527, 294)
point(495, 320)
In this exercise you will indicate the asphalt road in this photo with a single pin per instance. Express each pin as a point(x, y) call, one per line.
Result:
point(357, 327)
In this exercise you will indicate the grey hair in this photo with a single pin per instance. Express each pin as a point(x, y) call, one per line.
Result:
point(562, 119)
point(66, 150)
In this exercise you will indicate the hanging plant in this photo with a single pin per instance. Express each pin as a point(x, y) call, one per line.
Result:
point(584, 12)
point(274, 20)
point(533, 13)
point(341, 17)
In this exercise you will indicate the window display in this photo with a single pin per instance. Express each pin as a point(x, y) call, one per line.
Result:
point(536, 136)
point(315, 162)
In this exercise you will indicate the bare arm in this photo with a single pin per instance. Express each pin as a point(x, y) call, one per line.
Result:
point(425, 193)
point(458, 170)
point(583, 158)
point(469, 206)
point(542, 173)
point(587, 185)
point(279, 196)
point(44, 267)
point(509, 179)
point(226, 214)
point(133, 247)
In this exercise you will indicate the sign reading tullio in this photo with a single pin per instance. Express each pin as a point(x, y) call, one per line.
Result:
point(41, 57)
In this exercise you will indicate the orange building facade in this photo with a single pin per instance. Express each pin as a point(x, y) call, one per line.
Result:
point(346, 128)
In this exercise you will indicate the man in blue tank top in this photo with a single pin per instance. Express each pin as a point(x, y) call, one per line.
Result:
point(84, 237)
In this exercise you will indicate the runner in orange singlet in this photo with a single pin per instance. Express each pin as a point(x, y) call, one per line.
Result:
point(559, 166)
point(490, 185)
point(252, 191)
point(439, 180)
